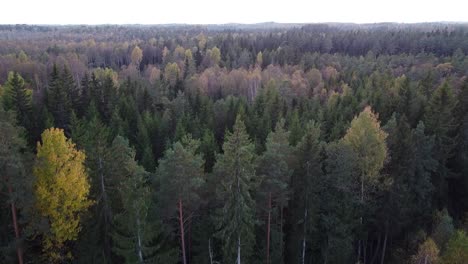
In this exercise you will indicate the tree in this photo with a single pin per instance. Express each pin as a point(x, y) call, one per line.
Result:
point(137, 234)
point(93, 137)
point(236, 171)
point(61, 189)
point(15, 181)
point(180, 175)
point(443, 228)
point(457, 249)
point(339, 203)
point(294, 127)
point(215, 56)
point(461, 160)
point(440, 121)
point(274, 166)
point(208, 148)
point(367, 140)
point(305, 203)
point(20, 98)
point(136, 56)
point(58, 99)
point(428, 253)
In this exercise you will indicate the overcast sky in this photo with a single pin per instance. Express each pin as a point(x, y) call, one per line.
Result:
point(221, 11)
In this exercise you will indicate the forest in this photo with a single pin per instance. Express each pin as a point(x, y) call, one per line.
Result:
point(262, 143)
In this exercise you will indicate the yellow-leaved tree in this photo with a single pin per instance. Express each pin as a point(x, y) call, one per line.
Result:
point(61, 189)
point(367, 140)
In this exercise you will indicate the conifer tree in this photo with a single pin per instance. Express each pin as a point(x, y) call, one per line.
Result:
point(236, 171)
point(440, 122)
point(305, 201)
point(93, 136)
point(274, 167)
point(20, 99)
point(180, 178)
point(137, 235)
point(15, 183)
point(58, 98)
point(339, 203)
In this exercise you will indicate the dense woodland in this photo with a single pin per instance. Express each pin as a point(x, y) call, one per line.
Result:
point(268, 143)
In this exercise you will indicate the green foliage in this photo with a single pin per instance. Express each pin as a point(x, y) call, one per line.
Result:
point(306, 184)
point(180, 176)
point(338, 217)
point(343, 189)
point(440, 121)
point(235, 169)
point(137, 235)
point(58, 97)
point(15, 186)
point(456, 251)
point(274, 166)
point(443, 228)
point(18, 99)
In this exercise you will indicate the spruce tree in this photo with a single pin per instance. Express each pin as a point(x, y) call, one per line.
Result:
point(235, 169)
point(305, 202)
point(137, 235)
point(20, 100)
point(440, 122)
point(58, 98)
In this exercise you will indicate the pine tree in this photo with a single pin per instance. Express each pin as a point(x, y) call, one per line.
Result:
point(15, 183)
point(180, 178)
point(235, 169)
point(61, 189)
point(274, 167)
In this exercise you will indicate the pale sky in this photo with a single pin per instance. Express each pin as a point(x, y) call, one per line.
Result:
point(232, 11)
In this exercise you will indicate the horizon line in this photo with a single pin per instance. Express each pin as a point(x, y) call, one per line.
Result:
point(229, 23)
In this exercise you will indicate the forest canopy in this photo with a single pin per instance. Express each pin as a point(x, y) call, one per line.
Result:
point(276, 143)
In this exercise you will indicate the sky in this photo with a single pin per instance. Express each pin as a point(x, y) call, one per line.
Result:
point(233, 11)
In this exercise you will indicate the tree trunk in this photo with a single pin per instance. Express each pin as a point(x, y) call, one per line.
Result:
point(210, 252)
point(107, 212)
point(182, 233)
point(268, 229)
point(140, 252)
point(304, 239)
point(19, 251)
point(190, 240)
point(374, 257)
point(361, 220)
point(281, 230)
point(239, 249)
point(364, 250)
point(384, 245)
